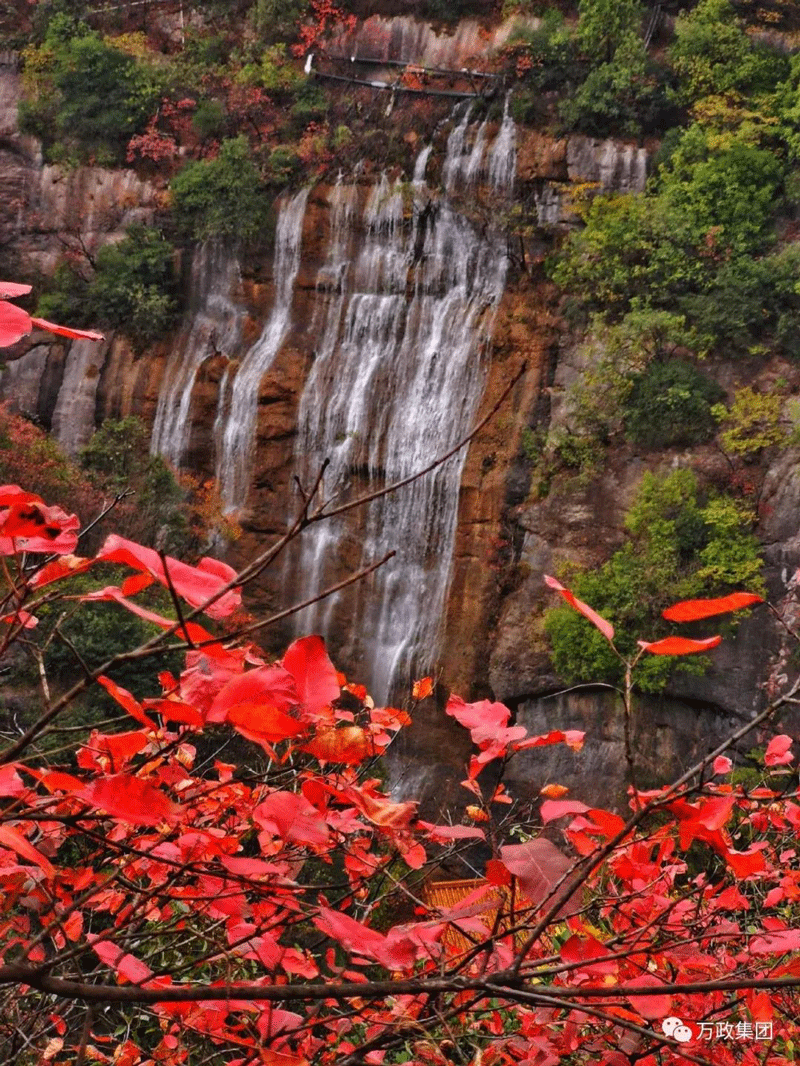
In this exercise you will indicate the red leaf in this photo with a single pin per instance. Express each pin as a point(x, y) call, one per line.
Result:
point(605, 627)
point(292, 818)
point(776, 943)
point(573, 738)
point(131, 799)
point(175, 711)
point(58, 569)
point(67, 331)
point(15, 841)
point(679, 645)
point(28, 525)
point(443, 834)
point(558, 808)
point(14, 324)
point(270, 685)
point(195, 584)
point(653, 1008)
point(10, 289)
point(21, 618)
point(538, 865)
point(777, 753)
point(313, 672)
point(497, 873)
point(483, 719)
point(692, 610)
point(422, 689)
point(263, 723)
point(194, 631)
point(584, 948)
point(722, 764)
point(126, 700)
point(126, 966)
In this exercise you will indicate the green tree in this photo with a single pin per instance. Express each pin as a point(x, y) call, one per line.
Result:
point(681, 545)
point(670, 405)
point(712, 54)
point(134, 285)
point(81, 90)
point(604, 25)
point(221, 197)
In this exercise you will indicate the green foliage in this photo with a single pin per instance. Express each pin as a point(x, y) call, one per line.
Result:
point(713, 55)
point(134, 284)
point(605, 25)
point(82, 90)
point(622, 97)
point(616, 357)
point(118, 459)
point(274, 72)
point(727, 196)
point(220, 197)
point(681, 545)
point(751, 424)
point(132, 288)
point(544, 57)
point(276, 19)
point(97, 632)
point(208, 119)
point(66, 297)
point(696, 244)
point(670, 404)
point(310, 103)
point(751, 301)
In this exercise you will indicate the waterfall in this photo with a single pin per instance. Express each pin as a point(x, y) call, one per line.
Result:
point(74, 412)
point(213, 324)
point(240, 397)
point(404, 319)
point(503, 158)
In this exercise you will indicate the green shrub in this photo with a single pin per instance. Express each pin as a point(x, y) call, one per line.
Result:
point(545, 54)
point(605, 25)
point(117, 458)
point(134, 285)
point(670, 404)
point(712, 55)
point(220, 197)
point(81, 89)
point(681, 546)
point(208, 119)
point(310, 103)
point(276, 19)
point(66, 297)
point(623, 97)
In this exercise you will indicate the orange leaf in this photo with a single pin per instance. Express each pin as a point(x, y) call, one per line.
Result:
point(679, 645)
point(422, 689)
point(692, 610)
point(605, 627)
point(553, 792)
point(67, 331)
point(350, 745)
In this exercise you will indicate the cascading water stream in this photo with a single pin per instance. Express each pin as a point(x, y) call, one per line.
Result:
point(214, 324)
point(238, 401)
point(396, 381)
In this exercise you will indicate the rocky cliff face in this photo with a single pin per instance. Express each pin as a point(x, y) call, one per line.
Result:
point(390, 318)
